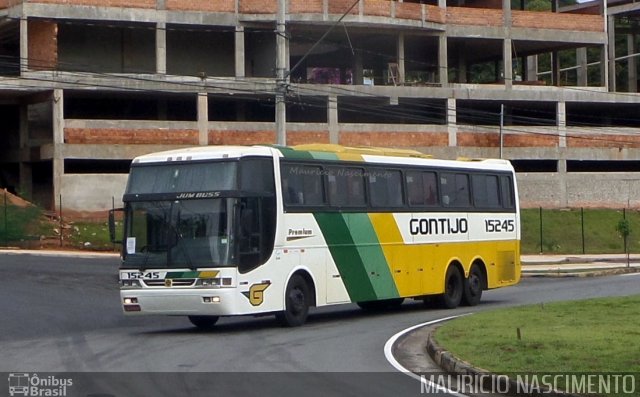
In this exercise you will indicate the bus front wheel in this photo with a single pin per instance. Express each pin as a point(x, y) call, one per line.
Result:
point(453, 288)
point(296, 303)
point(203, 322)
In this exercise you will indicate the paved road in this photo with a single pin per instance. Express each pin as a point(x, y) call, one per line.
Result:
point(62, 314)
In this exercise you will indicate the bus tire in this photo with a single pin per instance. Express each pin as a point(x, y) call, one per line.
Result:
point(453, 288)
point(296, 303)
point(204, 322)
point(473, 287)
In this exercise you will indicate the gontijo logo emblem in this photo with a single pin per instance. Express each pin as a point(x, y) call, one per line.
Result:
point(33, 385)
point(256, 293)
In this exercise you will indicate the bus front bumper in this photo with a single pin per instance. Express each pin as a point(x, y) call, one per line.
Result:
point(188, 302)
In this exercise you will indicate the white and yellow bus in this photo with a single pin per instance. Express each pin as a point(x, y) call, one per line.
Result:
point(228, 230)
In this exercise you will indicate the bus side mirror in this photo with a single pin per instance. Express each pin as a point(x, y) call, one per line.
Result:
point(112, 225)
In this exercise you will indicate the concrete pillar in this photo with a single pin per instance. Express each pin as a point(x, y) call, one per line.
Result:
point(581, 57)
point(452, 124)
point(58, 142)
point(58, 116)
point(555, 68)
point(203, 119)
point(532, 68)
point(25, 177)
point(443, 66)
point(161, 48)
point(562, 180)
point(506, 12)
point(631, 64)
point(358, 74)
point(332, 119)
point(507, 65)
point(611, 53)
point(604, 67)
point(442, 3)
point(240, 52)
point(24, 45)
point(561, 117)
point(401, 72)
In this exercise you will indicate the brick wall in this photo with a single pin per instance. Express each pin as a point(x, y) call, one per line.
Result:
point(201, 5)
point(381, 8)
point(305, 6)
point(408, 11)
point(578, 22)
point(394, 139)
point(258, 6)
point(43, 45)
point(474, 139)
point(341, 6)
point(474, 16)
point(8, 3)
point(603, 141)
point(239, 137)
point(128, 137)
point(435, 14)
point(102, 3)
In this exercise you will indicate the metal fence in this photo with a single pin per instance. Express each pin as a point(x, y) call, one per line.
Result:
point(580, 231)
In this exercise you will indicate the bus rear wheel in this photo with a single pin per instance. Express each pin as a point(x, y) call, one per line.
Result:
point(453, 288)
point(473, 287)
point(204, 322)
point(296, 303)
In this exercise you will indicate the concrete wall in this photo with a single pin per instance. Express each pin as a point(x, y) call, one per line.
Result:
point(91, 192)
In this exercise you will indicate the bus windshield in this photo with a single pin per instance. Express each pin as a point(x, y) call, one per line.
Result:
point(179, 233)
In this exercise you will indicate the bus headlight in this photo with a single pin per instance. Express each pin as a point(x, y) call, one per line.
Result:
point(130, 284)
point(208, 283)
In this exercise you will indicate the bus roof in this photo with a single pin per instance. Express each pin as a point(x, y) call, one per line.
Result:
point(205, 153)
point(321, 152)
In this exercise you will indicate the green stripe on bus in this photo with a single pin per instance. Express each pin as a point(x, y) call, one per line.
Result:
point(346, 256)
point(324, 155)
point(369, 249)
point(192, 274)
point(295, 154)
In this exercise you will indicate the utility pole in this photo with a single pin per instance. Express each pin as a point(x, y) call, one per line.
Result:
point(501, 127)
point(281, 75)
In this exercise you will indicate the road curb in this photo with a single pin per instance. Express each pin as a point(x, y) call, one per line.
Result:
point(586, 273)
point(452, 364)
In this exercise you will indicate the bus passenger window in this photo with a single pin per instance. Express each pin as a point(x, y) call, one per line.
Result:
point(385, 188)
point(507, 192)
point(422, 188)
point(346, 187)
point(486, 192)
point(455, 190)
point(302, 185)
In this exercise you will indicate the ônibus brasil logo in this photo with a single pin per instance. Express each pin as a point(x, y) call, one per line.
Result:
point(32, 385)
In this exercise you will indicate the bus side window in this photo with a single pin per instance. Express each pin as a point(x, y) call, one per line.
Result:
point(506, 186)
point(302, 185)
point(455, 189)
point(346, 187)
point(422, 188)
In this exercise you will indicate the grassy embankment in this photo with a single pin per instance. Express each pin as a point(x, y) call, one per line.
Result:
point(596, 335)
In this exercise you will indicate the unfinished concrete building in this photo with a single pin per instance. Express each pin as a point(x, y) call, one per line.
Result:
point(86, 85)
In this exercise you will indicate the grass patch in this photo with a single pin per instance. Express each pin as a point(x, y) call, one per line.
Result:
point(90, 235)
point(596, 335)
point(562, 231)
point(21, 223)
